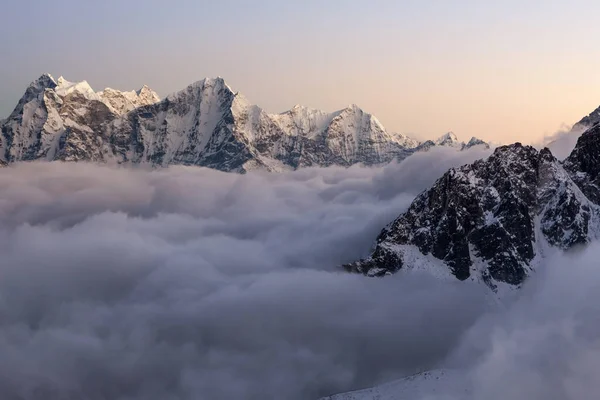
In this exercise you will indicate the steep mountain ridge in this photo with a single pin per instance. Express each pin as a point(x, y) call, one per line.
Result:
point(62, 120)
point(588, 121)
point(206, 124)
point(491, 220)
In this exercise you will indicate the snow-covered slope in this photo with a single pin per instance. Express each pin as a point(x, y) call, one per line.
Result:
point(433, 385)
point(123, 102)
point(492, 220)
point(206, 124)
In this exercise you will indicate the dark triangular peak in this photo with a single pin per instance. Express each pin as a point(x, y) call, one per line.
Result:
point(46, 81)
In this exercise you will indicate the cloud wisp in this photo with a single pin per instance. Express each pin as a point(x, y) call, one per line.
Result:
point(562, 142)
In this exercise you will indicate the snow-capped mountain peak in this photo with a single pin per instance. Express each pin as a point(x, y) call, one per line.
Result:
point(32, 93)
point(64, 88)
point(304, 121)
point(122, 102)
point(147, 95)
point(44, 81)
point(448, 139)
point(352, 108)
point(218, 83)
point(64, 120)
point(474, 142)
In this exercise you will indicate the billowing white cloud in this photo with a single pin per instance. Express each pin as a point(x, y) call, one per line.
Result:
point(545, 344)
point(187, 283)
point(562, 142)
point(541, 344)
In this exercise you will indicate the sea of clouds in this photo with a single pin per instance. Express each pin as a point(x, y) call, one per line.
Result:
point(189, 283)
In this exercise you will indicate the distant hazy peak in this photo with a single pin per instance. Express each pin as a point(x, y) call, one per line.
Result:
point(447, 139)
point(474, 141)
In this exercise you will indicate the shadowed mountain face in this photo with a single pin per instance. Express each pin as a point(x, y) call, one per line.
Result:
point(206, 124)
point(492, 219)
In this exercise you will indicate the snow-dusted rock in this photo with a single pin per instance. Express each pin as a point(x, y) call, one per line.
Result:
point(491, 220)
point(475, 142)
point(123, 102)
point(449, 139)
point(208, 124)
point(431, 385)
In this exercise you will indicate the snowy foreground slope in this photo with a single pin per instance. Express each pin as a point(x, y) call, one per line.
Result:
point(206, 124)
point(432, 385)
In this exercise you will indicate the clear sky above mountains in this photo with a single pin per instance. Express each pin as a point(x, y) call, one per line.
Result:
point(503, 71)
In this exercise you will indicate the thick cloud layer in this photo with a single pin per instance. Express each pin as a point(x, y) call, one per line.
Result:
point(544, 344)
point(188, 283)
point(541, 344)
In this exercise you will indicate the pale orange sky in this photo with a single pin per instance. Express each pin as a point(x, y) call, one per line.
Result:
point(502, 71)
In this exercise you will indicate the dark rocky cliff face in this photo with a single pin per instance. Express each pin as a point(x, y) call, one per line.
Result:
point(497, 211)
point(584, 163)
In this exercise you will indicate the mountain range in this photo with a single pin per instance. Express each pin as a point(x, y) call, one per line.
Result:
point(493, 221)
point(490, 221)
point(206, 124)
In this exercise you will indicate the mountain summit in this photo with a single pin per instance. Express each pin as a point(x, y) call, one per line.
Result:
point(206, 124)
point(62, 120)
point(493, 220)
point(449, 139)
